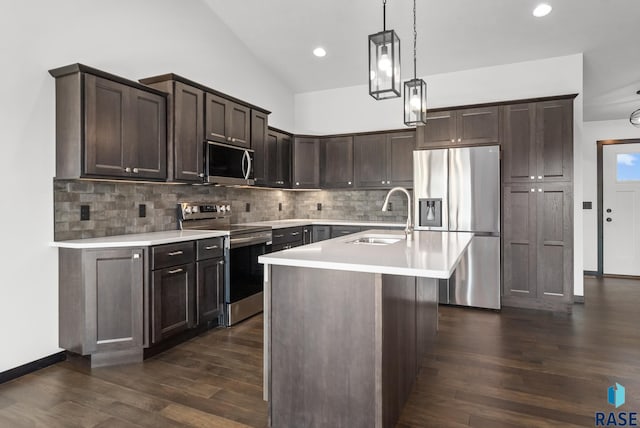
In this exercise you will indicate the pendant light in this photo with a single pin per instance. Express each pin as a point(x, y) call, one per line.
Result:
point(415, 90)
point(384, 61)
point(635, 116)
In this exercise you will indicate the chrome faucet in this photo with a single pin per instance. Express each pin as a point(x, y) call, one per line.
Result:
point(408, 230)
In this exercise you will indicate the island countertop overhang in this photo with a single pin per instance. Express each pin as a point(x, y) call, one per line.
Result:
point(431, 254)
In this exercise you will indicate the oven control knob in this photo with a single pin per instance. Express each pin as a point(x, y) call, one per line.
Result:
point(229, 208)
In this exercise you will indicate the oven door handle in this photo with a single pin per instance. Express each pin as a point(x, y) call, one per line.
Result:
point(243, 242)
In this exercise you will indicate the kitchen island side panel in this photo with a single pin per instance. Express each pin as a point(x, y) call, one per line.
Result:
point(322, 348)
point(345, 346)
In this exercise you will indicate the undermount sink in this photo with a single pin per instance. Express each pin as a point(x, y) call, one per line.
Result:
point(377, 240)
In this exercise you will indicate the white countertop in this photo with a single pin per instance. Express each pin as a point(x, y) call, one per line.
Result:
point(280, 224)
point(140, 239)
point(430, 254)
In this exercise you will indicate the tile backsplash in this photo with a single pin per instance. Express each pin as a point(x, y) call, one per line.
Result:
point(114, 206)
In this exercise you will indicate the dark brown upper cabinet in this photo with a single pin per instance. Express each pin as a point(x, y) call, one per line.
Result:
point(278, 159)
point(259, 125)
point(384, 160)
point(227, 121)
point(199, 113)
point(538, 141)
point(185, 122)
point(472, 126)
point(336, 162)
point(306, 163)
point(107, 126)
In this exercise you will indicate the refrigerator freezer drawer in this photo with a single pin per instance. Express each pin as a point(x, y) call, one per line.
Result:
point(476, 280)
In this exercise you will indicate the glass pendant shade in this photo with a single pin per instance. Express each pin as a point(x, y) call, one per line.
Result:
point(384, 65)
point(635, 118)
point(415, 102)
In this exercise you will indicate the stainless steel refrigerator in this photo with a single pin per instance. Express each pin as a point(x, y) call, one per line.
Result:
point(458, 190)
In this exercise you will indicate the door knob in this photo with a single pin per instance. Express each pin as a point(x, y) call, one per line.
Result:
point(608, 219)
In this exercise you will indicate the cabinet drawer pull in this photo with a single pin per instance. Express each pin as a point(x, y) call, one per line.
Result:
point(127, 169)
point(211, 247)
point(176, 271)
point(345, 232)
point(136, 170)
point(175, 253)
point(295, 233)
point(278, 236)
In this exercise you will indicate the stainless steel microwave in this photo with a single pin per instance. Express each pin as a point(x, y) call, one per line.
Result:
point(225, 164)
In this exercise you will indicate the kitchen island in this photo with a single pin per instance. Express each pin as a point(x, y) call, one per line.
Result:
point(346, 323)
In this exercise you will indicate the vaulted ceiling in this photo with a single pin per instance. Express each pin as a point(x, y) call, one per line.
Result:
point(453, 35)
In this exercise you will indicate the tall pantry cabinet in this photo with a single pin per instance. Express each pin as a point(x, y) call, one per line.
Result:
point(537, 205)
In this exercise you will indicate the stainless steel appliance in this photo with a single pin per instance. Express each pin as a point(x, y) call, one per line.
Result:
point(225, 164)
point(458, 190)
point(244, 276)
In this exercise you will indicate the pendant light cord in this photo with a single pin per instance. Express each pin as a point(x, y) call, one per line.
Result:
point(384, 15)
point(415, 37)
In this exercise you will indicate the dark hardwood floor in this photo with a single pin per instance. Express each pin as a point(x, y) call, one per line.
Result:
point(510, 369)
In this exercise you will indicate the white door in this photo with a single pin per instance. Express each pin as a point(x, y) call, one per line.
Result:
point(621, 208)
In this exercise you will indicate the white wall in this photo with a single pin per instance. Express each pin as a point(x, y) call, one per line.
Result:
point(131, 38)
point(592, 133)
point(351, 109)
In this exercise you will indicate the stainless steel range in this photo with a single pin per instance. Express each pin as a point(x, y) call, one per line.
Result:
point(244, 276)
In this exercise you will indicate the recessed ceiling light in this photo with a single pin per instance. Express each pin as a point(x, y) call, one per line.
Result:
point(319, 52)
point(541, 10)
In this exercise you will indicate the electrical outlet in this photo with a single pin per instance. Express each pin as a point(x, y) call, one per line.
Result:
point(319, 206)
point(390, 206)
point(248, 207)
point(85, 213)
point(142, 210)
point(279, 206)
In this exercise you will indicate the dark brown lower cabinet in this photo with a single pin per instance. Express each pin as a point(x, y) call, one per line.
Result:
point(210, 290)
point(101, 303)
point(337, 231)
point(321, 233)
point(538, 246)
point(173, 301)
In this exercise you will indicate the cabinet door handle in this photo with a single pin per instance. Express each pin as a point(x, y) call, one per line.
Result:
point(228, 138)
point(459, 139)
point(175, 271)
point(533, 190)
point(233, 140)
point(136, 256)
point(127, 169)
point(221, 262)
point(211, 247)
point(532, 177)
point(175, 253)
point(453, 140)
point(136, 170)
point(382, 181)
point(539, 177)
point(201, 175)
point(539, 190)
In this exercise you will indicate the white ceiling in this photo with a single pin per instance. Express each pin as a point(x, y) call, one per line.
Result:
point(453, 35)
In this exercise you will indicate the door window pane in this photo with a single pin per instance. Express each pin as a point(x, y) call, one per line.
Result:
point(628, 167)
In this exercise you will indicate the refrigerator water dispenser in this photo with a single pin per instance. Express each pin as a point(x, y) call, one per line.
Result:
point(430, 212)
